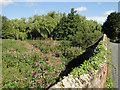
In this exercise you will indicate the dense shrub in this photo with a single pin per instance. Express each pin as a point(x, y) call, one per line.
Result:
point(22, 36)
point(77, 29)
point(37, 26)
point(55, 26)
point(85, 39)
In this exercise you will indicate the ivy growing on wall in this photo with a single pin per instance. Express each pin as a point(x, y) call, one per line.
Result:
point(93, 63)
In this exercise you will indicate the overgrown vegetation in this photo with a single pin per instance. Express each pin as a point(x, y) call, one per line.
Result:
point(48, 43)
point(34, 64)
point(72, 27)
point(99, 55)
point(109, 83)
point(112, 27)
point(93, 63)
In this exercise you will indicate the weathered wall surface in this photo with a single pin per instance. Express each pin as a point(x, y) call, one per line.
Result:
point(90, 80)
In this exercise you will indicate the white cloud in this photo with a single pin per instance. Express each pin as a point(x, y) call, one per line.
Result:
point(30, 3)
point(4, 3)
point(70, 0)
point(42, 11)
point(35, 11)
point(108, 12)
point(81, 9)
point(99, 3)
point(98, 19)
point(30, 0)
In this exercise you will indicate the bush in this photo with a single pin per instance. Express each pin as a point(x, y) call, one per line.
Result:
point(85, 39)
point(22, 36)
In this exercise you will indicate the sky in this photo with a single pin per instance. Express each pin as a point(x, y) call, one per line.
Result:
point(93, 10)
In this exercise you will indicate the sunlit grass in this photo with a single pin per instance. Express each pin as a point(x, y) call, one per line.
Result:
point(35, 63)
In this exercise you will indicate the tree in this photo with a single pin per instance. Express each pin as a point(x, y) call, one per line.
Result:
point(72, 27)
point(111, 27)
point(3, 20)
point(7, 30)
point(0, 26)
point(77, 29)
point(66, 27)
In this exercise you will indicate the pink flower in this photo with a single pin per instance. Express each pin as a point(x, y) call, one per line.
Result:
point(30, 81)
point(39, 81)
point(14, 75)
point(53, 72)
point(40, 65)
point(46, 71)
point(32, 87)
point(25, 78)
point(43, 84)
point(43, 66)
point(8, 51)
point(32, 72)
point(50, 63)
point(35, 80)
point(47, 86)
point(14, 51)
point(47, 61)
point(11, 48)
point(58, 75)
point(53, 57)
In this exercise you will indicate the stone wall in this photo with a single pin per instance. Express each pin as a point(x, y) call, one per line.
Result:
point(90, 80)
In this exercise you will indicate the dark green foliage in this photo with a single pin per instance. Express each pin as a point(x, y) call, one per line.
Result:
point(112, 26)
point(0, 26)
point(67, 26)
point(38, 26)
point(77, 29)
point(93, 63)
point(7, 31)
point(57, 26)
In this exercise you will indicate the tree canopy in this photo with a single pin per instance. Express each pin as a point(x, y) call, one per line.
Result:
point(53, 25)
point(77, 29)
point(112, 26)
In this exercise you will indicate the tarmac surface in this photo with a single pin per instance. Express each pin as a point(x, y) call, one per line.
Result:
point(115, 49)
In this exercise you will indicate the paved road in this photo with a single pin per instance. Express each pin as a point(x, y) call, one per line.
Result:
point(115, 49)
